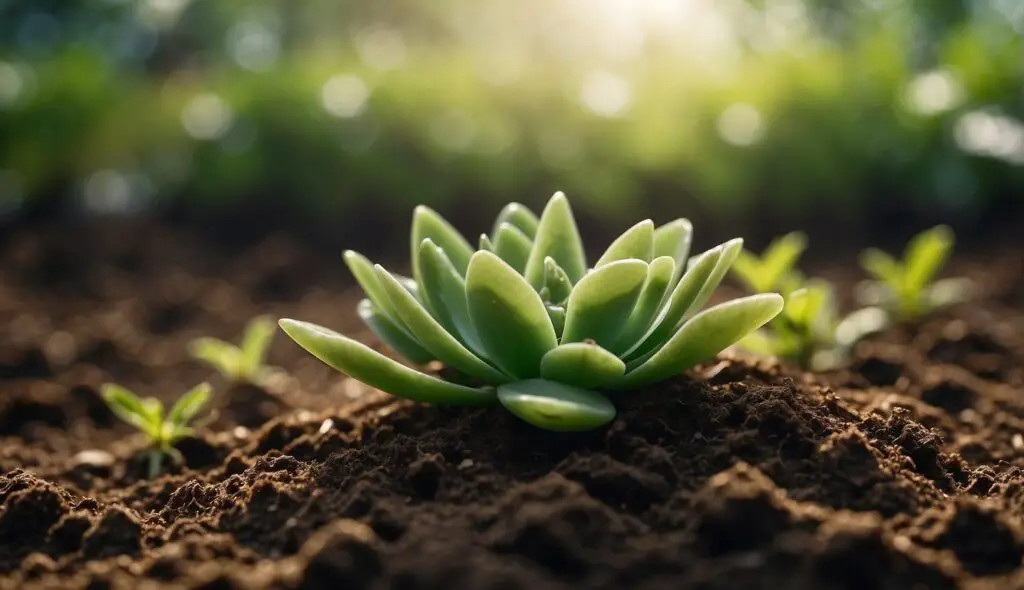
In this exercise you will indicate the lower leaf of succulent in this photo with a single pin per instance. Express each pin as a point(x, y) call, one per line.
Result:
point(556, 406)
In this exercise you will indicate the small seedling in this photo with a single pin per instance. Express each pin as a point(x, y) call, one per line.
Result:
point(530, 325)
point(238, 364)
point(775, 269)
point(809, 331)
point(907, 289)
point(147, 415)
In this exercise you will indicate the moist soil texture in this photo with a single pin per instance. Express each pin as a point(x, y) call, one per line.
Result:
point(902, 471)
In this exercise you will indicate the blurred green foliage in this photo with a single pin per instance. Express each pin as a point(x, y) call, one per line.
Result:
point(807, 105)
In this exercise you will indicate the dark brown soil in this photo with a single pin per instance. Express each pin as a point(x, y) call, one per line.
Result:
point(903, 472)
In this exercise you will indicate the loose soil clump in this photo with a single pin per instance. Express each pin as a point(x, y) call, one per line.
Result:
point(903, 471)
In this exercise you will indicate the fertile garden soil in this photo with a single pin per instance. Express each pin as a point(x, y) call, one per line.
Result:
point(902, 472)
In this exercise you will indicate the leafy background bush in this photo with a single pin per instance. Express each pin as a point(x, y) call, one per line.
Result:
point(343, 114)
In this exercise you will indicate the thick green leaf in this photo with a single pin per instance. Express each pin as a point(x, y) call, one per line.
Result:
point(426, 223)
point(730, 251)
point(701, 338)
point(554, 406)
point(376, 370)
point(518, 216)
point(806, 306)
point(679, 302)
point(513, 246)
point(444, 290)
point(925, 255)
point(601, 303)
point(557, 237)
point(432, 335)
point(557, 285)
point(637, 242)
point(557, 315)
point(259, 333)
point(362, 270)
point(486, 243)
point(189, 405)
point(660, 275)
point(883, 267)
point(674, 239)
point(581, 364)
point(398, 339)
point(509, 316)
point(128, 407)
point(223, 356)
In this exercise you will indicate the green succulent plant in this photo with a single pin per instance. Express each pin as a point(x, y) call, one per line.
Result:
point(242, 363)
point(147, 414)
point(907, 289)
point(809, 331)
point(775, 269)
point(530, 325)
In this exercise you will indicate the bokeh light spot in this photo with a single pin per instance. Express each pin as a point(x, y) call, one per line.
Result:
point(206, 117)
point(345, 96)
point(606, 94)
point(741, 125)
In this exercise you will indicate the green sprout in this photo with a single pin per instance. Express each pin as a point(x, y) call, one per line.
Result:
point(147, 415)
point(809, 331)
point(907, 289)
point(775, 269)
point(238, 364)
point(532, 327)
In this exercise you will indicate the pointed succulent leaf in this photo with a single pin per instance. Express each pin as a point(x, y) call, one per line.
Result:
point(362, 270)
point(376, 370)
point(520, 217)
point(655, 289)
point(427, 223)
point(730, 251)
point(224, 356)
point(445, 290)
point(925, 256)
point(557, 237)
point(637, 242)
point(554, 406)
point(432, 335)
point(398, 339)
point(509, 316)
point(127, 406)
point(883, 267)
point(258, 335)
point(486, 243)
point(556, 282)
point(513, 246)
point(674, 239)
point(581, 364)
point(679, 302)
point(189, 405)
point(557, 315)
point(601, 303)
point(704, 336)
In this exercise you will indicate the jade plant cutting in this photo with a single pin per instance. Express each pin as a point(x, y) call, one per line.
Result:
point(525, 322)
point(907, 288)
point(162, 429)
point(242, 363)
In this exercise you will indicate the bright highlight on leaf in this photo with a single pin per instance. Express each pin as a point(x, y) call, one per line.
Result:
point(525, 320)
point(147, 415)
point(242, 363)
